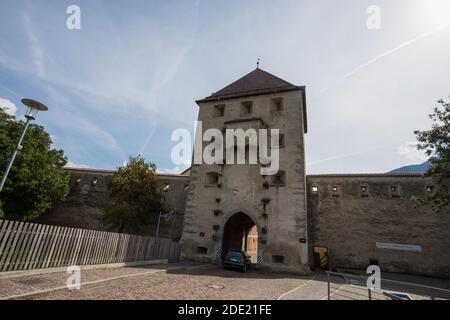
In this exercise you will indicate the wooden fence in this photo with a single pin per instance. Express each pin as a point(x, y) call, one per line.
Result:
point(26, 246)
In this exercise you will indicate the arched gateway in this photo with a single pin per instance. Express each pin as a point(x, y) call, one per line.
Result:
point(240, 233)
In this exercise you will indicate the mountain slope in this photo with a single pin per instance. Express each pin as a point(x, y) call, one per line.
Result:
point(415, 168)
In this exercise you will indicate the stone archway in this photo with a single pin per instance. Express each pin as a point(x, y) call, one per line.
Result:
point(240, 233)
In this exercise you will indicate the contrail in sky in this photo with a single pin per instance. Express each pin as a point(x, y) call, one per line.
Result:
point(385, 54)
point(347, 155)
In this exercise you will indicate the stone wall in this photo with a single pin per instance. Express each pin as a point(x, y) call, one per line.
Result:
point(349, 214)
point(89, 192)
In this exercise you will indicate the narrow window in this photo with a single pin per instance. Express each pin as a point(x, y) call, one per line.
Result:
point(202, 250)
point(394, 191)
point(335, 192)
point(277, 259)
point(276, 105)
point(365, 191)
point(212, 179)
point(373, 262)
point(219, 110)
point(246, 108)
point(279, 179)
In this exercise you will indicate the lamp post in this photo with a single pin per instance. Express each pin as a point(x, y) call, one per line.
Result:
point(33, 107)
point(167, 216)
point(165, 189)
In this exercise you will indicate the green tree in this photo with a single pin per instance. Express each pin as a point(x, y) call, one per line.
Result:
point(137, 197)
point(436, 144)
point(37, 178)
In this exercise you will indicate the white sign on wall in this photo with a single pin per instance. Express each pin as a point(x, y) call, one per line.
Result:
point(398, 246)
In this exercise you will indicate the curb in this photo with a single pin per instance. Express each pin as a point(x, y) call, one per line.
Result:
point(25, 273)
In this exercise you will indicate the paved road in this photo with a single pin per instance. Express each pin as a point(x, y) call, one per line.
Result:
point(20, 286)
point(189, 281)
point(174, 281)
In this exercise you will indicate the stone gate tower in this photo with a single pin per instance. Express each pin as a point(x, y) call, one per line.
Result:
point(234, 206)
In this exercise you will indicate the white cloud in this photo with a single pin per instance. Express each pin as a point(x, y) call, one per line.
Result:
point(37, 53)
point(9, 107)
point(409, 150)
point(99, 135)
point(71, 164)
point(176, 169)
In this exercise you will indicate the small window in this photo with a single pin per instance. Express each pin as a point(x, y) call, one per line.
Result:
point(277, 259)
point(202, 250)
point(429, 189)
point(276, 105)
point(315, 189)
point(279, 179)
point(365, 191)
point(219, 110)
point(395, 191)
point(201, 234)
point(335, 192)
point(246, 108)
point(212, 179)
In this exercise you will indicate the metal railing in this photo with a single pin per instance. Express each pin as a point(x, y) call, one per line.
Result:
point(349, 286)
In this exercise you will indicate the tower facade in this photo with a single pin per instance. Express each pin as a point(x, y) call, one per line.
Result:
point(235, 206)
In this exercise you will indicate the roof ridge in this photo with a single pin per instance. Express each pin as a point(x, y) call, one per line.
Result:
point(274, 76)
point(248, 74)
point(256, 82)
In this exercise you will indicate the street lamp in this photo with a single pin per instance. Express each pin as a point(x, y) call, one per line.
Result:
point(33, 107)
point(164, 189)
point(166, 216)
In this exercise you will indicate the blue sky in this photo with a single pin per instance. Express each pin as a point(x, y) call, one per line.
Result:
point(129, 77)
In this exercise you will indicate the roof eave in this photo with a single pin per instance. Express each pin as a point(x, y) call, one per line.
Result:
point(265, 92)
point(248, 94)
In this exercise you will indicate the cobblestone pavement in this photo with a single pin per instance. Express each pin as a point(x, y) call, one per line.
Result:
point(208, 282)
point(17, 286)
point(194, 281)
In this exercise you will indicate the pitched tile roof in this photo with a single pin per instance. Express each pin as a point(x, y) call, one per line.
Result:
point(254, 83)
point(257, 82)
